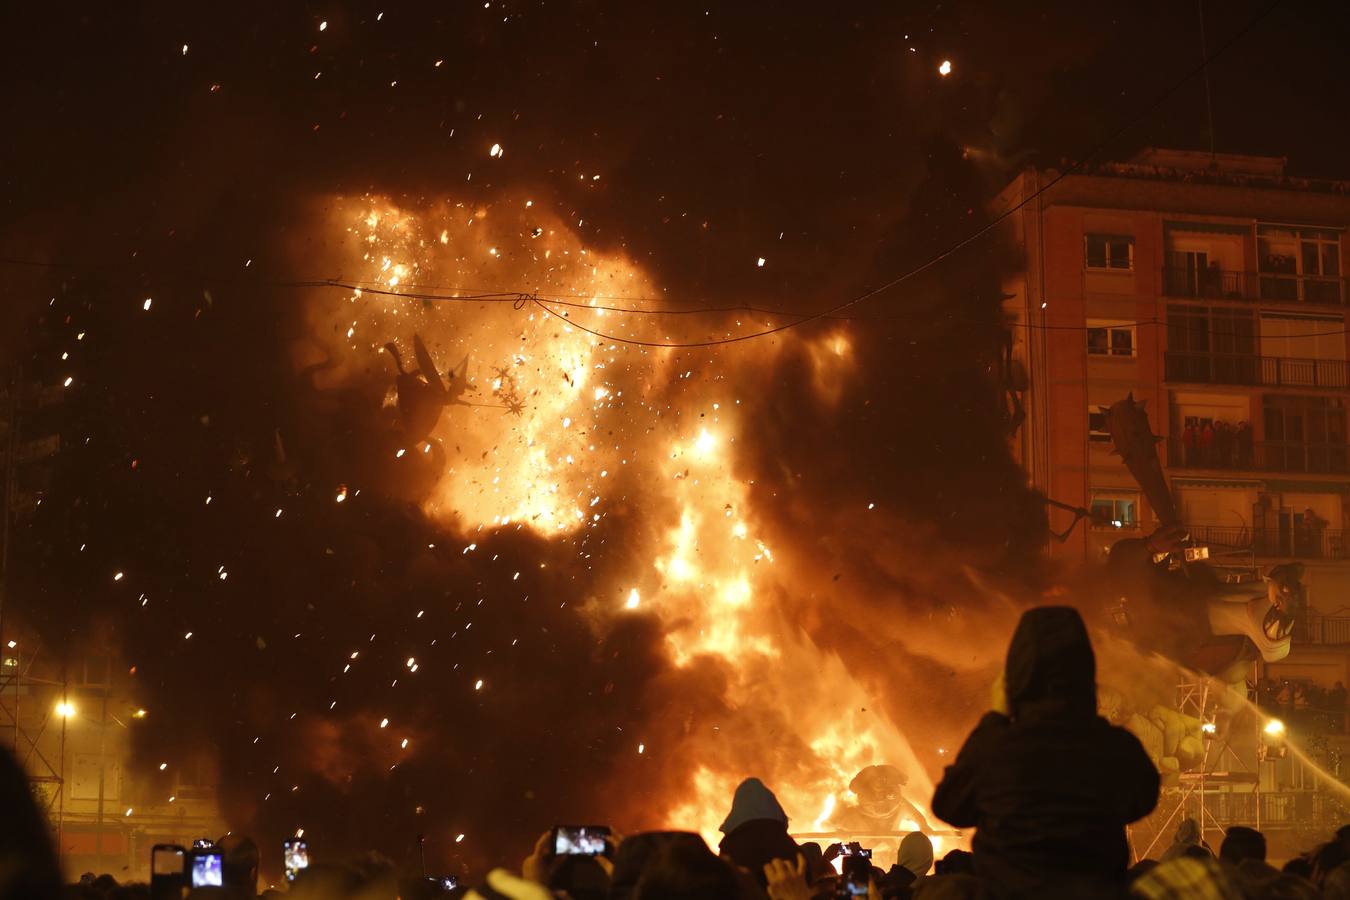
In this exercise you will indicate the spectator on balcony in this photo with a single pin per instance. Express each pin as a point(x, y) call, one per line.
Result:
point(1284, 700)
point(1312, 528)
point(1244, 445)
point(1223, 444)
point(1206, 442)
point(1213, 280)
point(1300, 714)
point(1336, 706)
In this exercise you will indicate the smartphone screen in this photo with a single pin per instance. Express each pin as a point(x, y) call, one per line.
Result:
point(203, 844)
point(580, 840)
point(206, 869)
point(295, 855)
point(167, 873)
point(166, 859)
point(857, 873)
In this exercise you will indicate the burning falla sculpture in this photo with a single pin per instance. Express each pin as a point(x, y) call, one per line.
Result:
point(1167, 598)
point(1174, 601)
point(421, 393)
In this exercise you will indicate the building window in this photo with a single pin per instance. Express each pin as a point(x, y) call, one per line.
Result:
point(1115, 509)
point(1097, 430)
point(1110, 251)
point(1211, 345)
point(1305, 434)
point(1110, 338)
point(1299, 264)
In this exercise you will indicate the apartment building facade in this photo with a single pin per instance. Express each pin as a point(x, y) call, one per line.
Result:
point(1213, 289)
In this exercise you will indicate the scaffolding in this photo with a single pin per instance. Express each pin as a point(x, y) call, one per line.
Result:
point(47, 778)
point(1204, 793)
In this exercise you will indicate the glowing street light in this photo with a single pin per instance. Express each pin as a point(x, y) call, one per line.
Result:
point(65, 709)
point(1274, 728)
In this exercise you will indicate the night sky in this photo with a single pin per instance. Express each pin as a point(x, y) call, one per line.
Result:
point(177, 152)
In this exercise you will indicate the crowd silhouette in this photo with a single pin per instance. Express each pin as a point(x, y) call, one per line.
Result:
point(1047, 784)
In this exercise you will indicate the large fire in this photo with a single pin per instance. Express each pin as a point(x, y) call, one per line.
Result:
point(560, 428)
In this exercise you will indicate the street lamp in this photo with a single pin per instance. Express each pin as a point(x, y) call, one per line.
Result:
point(1272, 744)
point(65, 709)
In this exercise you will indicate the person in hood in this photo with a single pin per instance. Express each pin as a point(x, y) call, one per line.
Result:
point(756, 830)
point(1187, 836)
point(912, 862)
point(1050, 786)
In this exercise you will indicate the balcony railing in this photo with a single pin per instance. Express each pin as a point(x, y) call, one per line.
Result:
point(1267, 371)
point(1234, 452)
point(1212, 283)
point(1323, 629)
point(1292, 543)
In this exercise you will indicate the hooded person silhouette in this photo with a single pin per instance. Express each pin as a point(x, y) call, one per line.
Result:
point(1050, 786)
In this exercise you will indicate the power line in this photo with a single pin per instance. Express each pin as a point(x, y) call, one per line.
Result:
point(521, 298)
point(978, 233)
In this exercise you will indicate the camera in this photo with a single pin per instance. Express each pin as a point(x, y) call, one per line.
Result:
point(205, 868)
point(580, 840)
point(295, 856)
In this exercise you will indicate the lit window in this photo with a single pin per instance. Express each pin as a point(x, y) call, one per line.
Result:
point(1115, 510)
point(1110, 251)
point(1097, 430)
point(1299, 264)
point(1110, 338)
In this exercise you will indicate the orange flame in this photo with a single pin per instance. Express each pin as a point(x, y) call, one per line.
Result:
point(598, 427)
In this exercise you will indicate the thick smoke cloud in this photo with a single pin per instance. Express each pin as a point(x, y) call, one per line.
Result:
point(191, 175)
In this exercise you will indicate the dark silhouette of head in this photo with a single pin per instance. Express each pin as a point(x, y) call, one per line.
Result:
point(683, 870)
point(239, 862)
point(636, 852)
point(27, 864)
point(1051, 669)
point(579, 877)
point(1328, 858)
point(956, 862)
point(1241, 842)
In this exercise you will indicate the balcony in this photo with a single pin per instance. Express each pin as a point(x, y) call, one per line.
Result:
point(1323, 629)
point(1296, 543)
point(1232, 452)
point(1183, 280)
point(1265, 371)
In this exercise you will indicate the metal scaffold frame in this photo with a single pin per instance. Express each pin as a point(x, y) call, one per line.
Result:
point(1195, 697)
point(16, 680)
